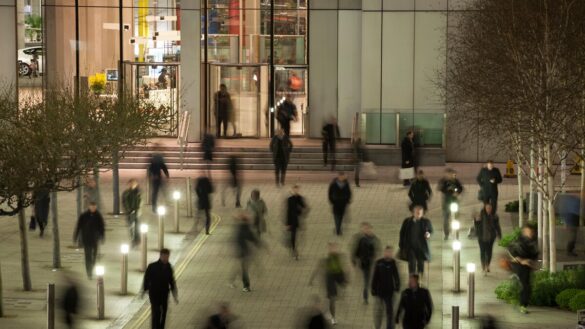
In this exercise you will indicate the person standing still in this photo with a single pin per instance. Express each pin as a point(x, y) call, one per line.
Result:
point(88, 232)
point(132, 201)
point(280, 146)
point(414, 235)
point(339, 197)
point(408, 153)
point(257, 207)
point(223, 107)
point(295, 209)
point(159, 280)
point(330, 133)
point(417, 304)
point(287, 112)
point(366, 247)
point(385, 283)
point(203, 188)
point(524, 252)
point(451, 188)
point(420, 191)
point(487, 228)
point(155, 173)
point(488, 179)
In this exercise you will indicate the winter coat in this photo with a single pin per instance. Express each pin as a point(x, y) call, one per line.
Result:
point(295, 207)
point(524, 248)
point(234, 167)
point(157, 164)
point(407, 148)
point(417, 306)
point(90, 228)
point(280, 148)
point(339, 194)
point(489, 190)
point(258, 210)
point(330, 133)
point(223, 104)
point(159, 280)
point(287, 111)
point(42, 202)
point(420, 192)
point(208, 145)
point(386, 280)
point(421, 245)
point(245, 237)
point(203, 189)
point(131, 200)
point(365, 249)
point(450, 188)
point(492, 223)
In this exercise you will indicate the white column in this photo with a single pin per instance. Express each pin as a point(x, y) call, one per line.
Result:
point(191, 65)
point(8, 59)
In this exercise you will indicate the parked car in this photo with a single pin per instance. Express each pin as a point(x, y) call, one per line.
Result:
point(25, 58)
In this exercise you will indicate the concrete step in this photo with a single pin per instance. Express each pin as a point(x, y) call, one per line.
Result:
point(146, 160)
point(226, 155)
point(201, 166)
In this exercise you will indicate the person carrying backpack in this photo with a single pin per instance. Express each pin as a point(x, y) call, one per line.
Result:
point(365, 250)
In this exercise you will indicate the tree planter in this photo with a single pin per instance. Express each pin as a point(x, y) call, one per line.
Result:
point(514, 219)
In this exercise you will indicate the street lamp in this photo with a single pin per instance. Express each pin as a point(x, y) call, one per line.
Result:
point(161, 211)
point(456, 262)
point(176, 197)
point(99, 272)
point(124, 249)
point(471, 290)
point(144, 244)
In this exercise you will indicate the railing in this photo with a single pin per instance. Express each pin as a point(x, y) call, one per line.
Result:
point(183, 134)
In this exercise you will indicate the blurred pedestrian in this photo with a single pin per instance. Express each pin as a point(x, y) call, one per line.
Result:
point(70, 300)
point(524, 252)
point(42, 203)
point(89, 231)
point(280, 146)
point(203, 189)
point(286, 112)
point(245, 241)
point(339, 197)
point(313, 318)
point(257, 207)
point(222, 102)
point(365, 249)
point(222, 319)
point(330, 134)
point(420, 191)
point(487, 228)
point(451, 188)
point(235, 181)
point(488, 179)
point(334, 275)
point(132, 201)
point(489, 322)
point(385, 283)
point(358, 158)
point(159, 280)
point(417, 305)
point(296, 208)
point(408, 153)
point(156, 169)
point(414, 235)
point(208, 147)
point(91, 193)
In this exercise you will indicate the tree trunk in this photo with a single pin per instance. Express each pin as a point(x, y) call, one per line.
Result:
point(79, 197)
point(96, 177)
point(551, 214)
point(563, 173)
point(26, 282)
point(1, 296)
point(540, 203)
point(531, 180)
point(56, 238)
point(116, 183)
point(582, 207)
point(520, 195)
point(545, 235)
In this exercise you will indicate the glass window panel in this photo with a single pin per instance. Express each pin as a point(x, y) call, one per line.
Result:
point(429, 59)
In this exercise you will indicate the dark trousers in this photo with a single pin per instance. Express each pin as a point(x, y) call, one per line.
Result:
point(280, 172)
point(159, 312)
point(416, 262)
point(366, 272)
point(133, 225)
point(285, 124)
point(329, 149)
point(338, 213)
point(293, 239)
point(356, 172)
point(523, 272)
point(207, 219)
point(485, 251)
point(156, 185)
point(384, 305)
point(245, 264)
point(91, 251)
point(222, 119)
point(446, 221)
point(69, 320)
point(572, 238)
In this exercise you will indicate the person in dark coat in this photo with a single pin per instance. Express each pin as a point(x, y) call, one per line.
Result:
point(524, 252)
point(408, 153)
point(208, 146)
point(358, 158)
point(366, 247)
point(42, 203)
point(487, 228)
point(89, 231)
point(414, 235)
point(131, 201)
point(155, 173)
point(203, 188)
point(385, 283)
point(222, 319)
point(417, 305)
point(420, 191)
point(451, 188)
point(313, 317)
point(295, 210)
point(280, 146)
point(222, 102)
point(235, 181)
point(488, 179)
point(286, 112)
point(70, 301)
point(245, 240)
point(330, 133)
point(339, 197)
point(159, 280)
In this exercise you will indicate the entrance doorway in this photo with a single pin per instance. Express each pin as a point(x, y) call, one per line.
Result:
point(292, 80)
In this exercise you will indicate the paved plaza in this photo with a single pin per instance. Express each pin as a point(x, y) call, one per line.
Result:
point(204, 265)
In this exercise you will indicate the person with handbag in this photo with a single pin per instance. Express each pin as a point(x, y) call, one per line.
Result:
point(414, 235)
point(420, 191)
point(385, 283)
point(339, 197)
point(488, 179)
point(366, 247)
point(524, 253)
point(487, 228)
point(257, 207)
point(451, 188)
point(408, 153)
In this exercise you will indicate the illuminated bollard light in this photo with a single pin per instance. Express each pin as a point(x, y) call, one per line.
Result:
point(144, 245)
point(471, 290)
point(124, 249)
point(99, 272)
point(456, 262)
point(456, 226)
point(161, 211)
point(176, 198)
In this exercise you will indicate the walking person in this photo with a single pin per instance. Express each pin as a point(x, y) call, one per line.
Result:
point(451, 188)
point(70, 300)
point(222, 102)
point(287, 112)
point(235, 181)
point(417, 305)
point(420, 191)
point(488, 179)
point(203, 189)
point(314, 318)
point(257, 207)
point(132, 201)
point(385, 283)
point(245, 241)
point(524, 252)
point(296, 208)
point(156, 169)
point(91, 193)
point(332, 270)
point(414, 235)
point(339, 197)
point(366, 247)
point(330, 133)
point(280, 146)
point(487, 228)
point(358, 158)
point(89, 231)
point(222, 319)
point(42, 203)
point(408, 153)
point(159, 280)
point(208, 147)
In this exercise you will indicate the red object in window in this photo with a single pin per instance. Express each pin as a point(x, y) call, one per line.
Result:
point(295, 83)
point(234, 17)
